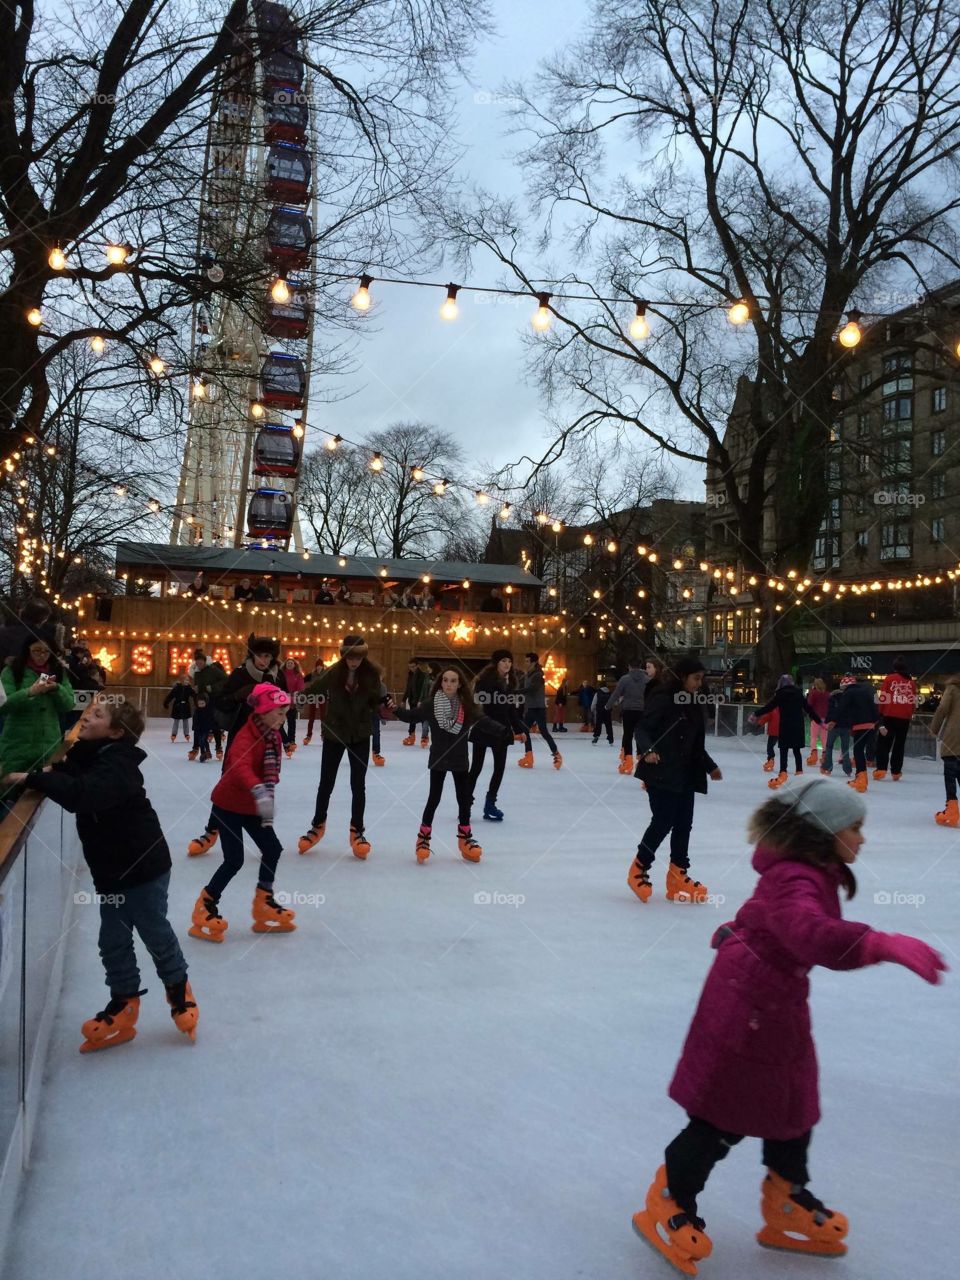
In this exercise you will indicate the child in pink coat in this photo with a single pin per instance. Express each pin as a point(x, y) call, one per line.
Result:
point(748, 1066)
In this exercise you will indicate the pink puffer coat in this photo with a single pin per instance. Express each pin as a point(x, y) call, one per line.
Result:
point(749, 1065)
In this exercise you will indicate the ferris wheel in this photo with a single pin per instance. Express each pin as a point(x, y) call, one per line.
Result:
point(251, 358)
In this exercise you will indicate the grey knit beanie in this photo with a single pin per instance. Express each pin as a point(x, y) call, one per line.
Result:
point(827, 805)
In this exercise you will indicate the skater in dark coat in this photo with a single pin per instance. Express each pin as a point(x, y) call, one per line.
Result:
point(674, 765)
point(453, 716)
point(180, 700)
point(749, 1066)
point(858, 713)
point(496, 692)
point(791, 703)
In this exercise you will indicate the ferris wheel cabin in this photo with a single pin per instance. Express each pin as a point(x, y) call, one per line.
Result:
point(270, 514)
point(283, 380)
point(288, 172)
point(290, 320)
point(285, 113)
point(284, 67)
point(289, 237)
point(275, 23)
point(276, 451)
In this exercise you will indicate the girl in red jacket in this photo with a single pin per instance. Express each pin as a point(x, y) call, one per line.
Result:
point(243, 802)
point(748, 1065)
point(772, 722)
point(898, 701)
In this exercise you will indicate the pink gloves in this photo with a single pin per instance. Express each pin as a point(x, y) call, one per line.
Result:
point(899, 948)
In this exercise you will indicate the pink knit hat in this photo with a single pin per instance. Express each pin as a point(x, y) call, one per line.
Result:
point(267, 697)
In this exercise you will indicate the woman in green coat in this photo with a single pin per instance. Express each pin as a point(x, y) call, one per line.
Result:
point(38, 694)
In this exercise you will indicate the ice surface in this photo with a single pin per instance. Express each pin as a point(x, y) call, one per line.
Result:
point(421, 1084)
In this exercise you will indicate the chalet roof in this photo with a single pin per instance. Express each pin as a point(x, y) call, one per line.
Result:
point(255, 561)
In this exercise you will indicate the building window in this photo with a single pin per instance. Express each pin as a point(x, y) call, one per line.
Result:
point(863, 464)
point(749, 628)
point(900, 360)
point(898, 409)
point(938, 487)
point(896, 459)
point(861, 504)
point(896, 540)
point(865, 380)
point(826, 551)
point(863, 425)
point(862, 544)
point(716, 631)
point(936, 529)
point(938, 443)
point(938, 399)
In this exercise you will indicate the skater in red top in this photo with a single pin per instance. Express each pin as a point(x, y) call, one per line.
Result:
point(772, 722)
point(748, 1066)
point(898, 701)
point(243, 801)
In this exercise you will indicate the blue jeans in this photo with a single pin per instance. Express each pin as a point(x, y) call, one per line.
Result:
point(844, 736)
point(144, 909)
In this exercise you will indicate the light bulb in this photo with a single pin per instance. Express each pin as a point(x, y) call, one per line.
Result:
point(215, 273)
point(332, 442)
point(542, 317)
point(156, 365)
point(450, 310)
point(956, 350)
point(280, 291)
point(611, 546)
point(57, 259)
point(97, 345)
point(199, 390)
point(482, 498)
point(505, 511)
point(640, 325)
point(35, 317)
point(361, 299)
point(418, 473)
point(556, 526)
point(440, 488)
point(298, 430)
point(116, 254)
point(739, 313)
point(257, 410)
point(376, 462)
point(588, 539)
point(850, 334)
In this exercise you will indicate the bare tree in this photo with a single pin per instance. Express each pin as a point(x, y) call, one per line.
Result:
point(404, 515)
point(800, 157)
point(332, 499)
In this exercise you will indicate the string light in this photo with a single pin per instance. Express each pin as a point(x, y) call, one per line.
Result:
point(542, 318)
point(505, 511)
point(440, 488)
point(298, 430)
point(57, 259)
point(449, 310)
point(117, 254)
point(257, 410)
point(156, 365)
point(35, 317)
point(850, 335)
point(376, 462)
point(418, 473)
point(361, 299)
point(97, 345)
point(482, 498)
point(280, 291)
point(739, 313)
point(640, 325)
point(333, 442)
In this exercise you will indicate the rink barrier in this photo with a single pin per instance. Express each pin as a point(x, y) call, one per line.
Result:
point(40, 858)
point(731, 720)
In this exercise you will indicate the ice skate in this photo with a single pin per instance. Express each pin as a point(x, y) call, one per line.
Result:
point(859, 781)
point(490, 811)
point(677, 1235)
point(308, 739)
point(192, 754)
point(768, 765)
point(289, 749)
point(680, 888)
point(626, 765)
point(378, 760)
point(359, 844)
point(269, 916)
point(469, 848)
point(638, 878)
point(183, 1008)
point(313, 836)
point(116, 1024)
point(219, 753)
point(423, 844)
point(202, 844)
point(557, 760)
point(879, 775)
point(949, 816)
point(525, 761)
point(584, 728)
point(812, 757)
point(778, 781)
point(797, 1221)
point(173, 737)
point(424, 743)
point(895, 777)
point(207, 922)
point(409, 740)
point(186, 737)
point(825, 773)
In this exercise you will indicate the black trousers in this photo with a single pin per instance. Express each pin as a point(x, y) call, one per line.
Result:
point(538, 716)
point(797, 757)
point(499, 752)
point(690, 1157)
point(232, 827)
point(603, 720)
point(357, 754)
point(771, 745)
point(671, 813)
point(863, 740)
point(464, 789)
point(890, 745)
point(630, 720)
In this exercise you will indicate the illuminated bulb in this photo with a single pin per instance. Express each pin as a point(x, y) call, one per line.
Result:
point(376, 462)
point(97, 345)
point(956, 350)
point(465, 584)
point(596, 595)
point(678, 564)
point(156, 365)
point(482, 498)
point(440, 488)
point(611, 546)
point(116, 254)
point(153, 505)
point(556, 526)
point(257, 410)
point(35, 317)
point(739, 313)
point(541, 517)
point(418, 473)
point(361, 299)
point(588, 539)
point(57, 259)
point(505, 511)
point(199, 390)
point(542, 318)
point(640, 325)
point(850, 334)
point(333, 442)
point(450, 310)
point(425, 578)
point(341, 562)
point(280, 291)
point(383, 573)
point(121, 492)
point(298, 430)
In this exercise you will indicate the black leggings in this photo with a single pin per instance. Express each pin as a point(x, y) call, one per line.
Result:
point(603, 722)
point(538, 716)
point(696, 1149)
point(232, 826)
point(499, 752)
point(890, 745)
point(671, 813)
point(630, 720)
point(461, 782)
point(357, 754)
point(862, 747)
point(797, 757)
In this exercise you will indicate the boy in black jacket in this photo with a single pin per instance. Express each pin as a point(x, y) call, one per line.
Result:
point(100, 781)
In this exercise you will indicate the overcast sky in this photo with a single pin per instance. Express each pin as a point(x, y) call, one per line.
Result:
point(468, 377)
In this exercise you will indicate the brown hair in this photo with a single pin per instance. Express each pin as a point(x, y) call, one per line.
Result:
point(777, 825)
point(124, 715)
point(820, 685)
point(657, 665)
point(471, 711)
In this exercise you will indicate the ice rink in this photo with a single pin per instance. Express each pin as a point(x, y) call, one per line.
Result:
point(457, 1072)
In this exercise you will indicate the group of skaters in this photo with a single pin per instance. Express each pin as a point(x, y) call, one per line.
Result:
point(748, 1067)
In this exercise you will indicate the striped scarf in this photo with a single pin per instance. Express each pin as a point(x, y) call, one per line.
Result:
point(271, 753)
point(448, 712)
